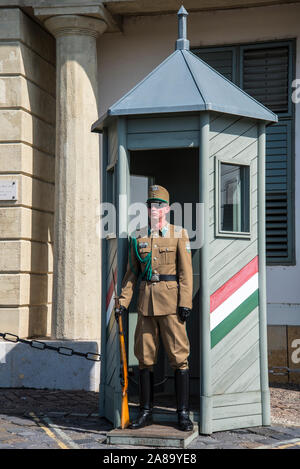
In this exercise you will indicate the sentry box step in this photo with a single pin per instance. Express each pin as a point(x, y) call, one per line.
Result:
point(162, 435)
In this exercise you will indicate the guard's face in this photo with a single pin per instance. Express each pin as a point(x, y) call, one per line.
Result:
point(157, 211)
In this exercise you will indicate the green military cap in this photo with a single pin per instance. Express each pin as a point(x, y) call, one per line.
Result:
point(158, 193)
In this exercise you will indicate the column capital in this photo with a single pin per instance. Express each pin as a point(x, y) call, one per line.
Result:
point(66, 25)
point(86, 17)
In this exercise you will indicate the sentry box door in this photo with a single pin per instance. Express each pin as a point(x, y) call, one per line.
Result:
point(177, 170)
point(124, 168)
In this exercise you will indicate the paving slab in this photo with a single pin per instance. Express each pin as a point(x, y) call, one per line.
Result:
point(287, 444)
point(272, 432)
point(72, 416)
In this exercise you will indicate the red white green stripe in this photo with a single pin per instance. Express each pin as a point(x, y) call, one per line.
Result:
point(233, 301)
point(110, 299)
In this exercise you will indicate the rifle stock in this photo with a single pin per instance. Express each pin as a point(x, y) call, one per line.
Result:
point(124, 372)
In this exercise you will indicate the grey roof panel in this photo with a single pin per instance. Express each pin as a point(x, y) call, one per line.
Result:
point(169, 87)
point(221, 94)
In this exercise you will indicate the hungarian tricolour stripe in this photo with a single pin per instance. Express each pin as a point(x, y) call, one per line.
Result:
point(110, 298)
point(233, 301)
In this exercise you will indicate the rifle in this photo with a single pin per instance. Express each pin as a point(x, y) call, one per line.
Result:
point(123, 371)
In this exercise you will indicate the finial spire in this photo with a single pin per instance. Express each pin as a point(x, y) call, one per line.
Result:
point(182, 42)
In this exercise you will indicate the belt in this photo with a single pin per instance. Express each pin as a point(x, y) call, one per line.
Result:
point(163, 278)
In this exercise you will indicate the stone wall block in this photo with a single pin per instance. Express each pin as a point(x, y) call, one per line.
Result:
point(25, 289)
point(26, 321)
point(32, 193)
point(19, 126)
point(22, 158)
point(17, 58)
point(14, 24)
point(17, 91)
point(26, 256)
point(24, 223)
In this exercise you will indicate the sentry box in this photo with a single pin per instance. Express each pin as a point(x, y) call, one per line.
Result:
point(187, 128)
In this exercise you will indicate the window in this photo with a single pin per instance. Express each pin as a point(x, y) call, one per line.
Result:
point(232, 199)
point(266, 72)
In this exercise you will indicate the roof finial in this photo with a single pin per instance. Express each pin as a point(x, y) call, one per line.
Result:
point(182, 42)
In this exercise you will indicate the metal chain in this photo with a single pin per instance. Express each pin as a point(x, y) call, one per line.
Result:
point(96, 357)
point(282, 370)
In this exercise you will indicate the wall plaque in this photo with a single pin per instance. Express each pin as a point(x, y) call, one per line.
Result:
point(8, 189)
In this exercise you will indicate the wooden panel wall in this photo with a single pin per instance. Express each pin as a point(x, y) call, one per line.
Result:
point(235, 359)
point(112, 365)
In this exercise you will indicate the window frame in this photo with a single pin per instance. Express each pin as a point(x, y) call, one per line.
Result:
point(223, 233)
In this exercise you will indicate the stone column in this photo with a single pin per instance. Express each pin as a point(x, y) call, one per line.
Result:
point(76, 285)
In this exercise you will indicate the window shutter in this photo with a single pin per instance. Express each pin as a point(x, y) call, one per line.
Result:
point(266, 75)
point(278, 201)
point(221, 59)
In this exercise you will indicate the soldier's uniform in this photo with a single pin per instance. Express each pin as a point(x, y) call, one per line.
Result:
point(163, 258)
point(158, 301)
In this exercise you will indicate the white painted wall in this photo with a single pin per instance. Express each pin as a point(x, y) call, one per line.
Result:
point(126, 58)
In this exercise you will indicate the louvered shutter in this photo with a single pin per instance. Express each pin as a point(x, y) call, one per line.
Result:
point(266, 75)
point(278, 195)
point(221, 59)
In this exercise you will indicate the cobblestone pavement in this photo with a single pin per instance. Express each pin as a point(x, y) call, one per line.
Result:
point(51, 419)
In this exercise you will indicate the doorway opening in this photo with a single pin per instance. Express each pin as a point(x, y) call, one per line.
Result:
point(178, 171)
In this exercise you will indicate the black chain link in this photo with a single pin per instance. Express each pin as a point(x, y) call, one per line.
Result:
point(96, 357)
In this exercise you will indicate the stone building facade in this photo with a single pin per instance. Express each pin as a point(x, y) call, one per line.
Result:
point(27, 155)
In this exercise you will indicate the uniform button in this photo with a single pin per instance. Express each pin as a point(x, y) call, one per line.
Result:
point(155, 245)
point(155, 258)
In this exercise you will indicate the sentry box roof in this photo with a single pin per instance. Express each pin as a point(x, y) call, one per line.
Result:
point(185, 83)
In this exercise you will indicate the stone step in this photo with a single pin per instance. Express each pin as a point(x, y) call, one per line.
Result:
point(157, 435)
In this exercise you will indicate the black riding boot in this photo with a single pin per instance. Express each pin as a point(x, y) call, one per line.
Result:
point(182, 397)
point(146, 400)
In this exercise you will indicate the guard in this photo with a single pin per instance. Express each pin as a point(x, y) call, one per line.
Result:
point(163, 257)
